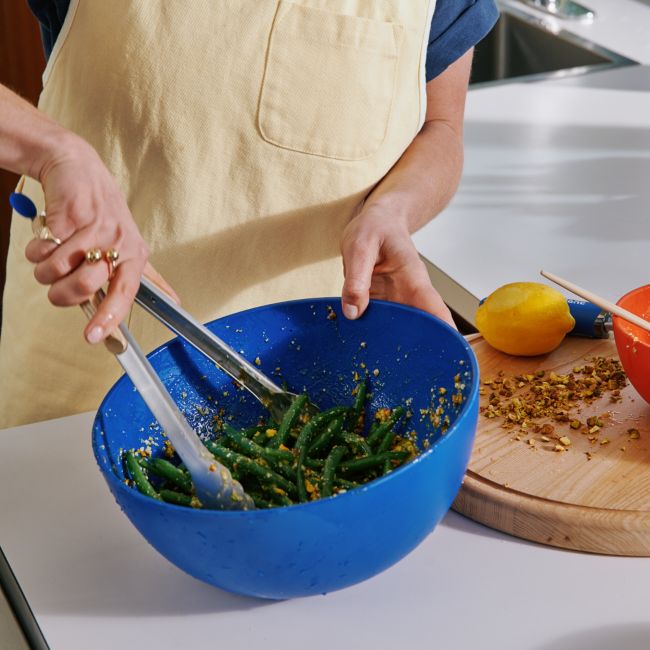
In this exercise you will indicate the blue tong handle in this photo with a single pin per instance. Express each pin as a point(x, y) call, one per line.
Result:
point(23, 205)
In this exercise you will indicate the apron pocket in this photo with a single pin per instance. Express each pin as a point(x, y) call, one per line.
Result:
point(329, 82)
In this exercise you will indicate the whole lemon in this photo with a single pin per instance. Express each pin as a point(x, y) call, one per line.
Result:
point(524, 319)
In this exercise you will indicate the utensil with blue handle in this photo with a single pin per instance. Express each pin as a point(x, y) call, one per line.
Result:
point(592, 321)
point(267, 392)
point(214, 485)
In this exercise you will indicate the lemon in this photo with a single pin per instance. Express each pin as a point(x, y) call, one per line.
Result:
point(524, 319)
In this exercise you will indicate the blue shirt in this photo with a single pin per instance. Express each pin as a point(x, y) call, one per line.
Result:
point(456, 27)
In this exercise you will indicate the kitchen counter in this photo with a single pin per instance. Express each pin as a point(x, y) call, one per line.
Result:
point(93, 582)
point(557, 177)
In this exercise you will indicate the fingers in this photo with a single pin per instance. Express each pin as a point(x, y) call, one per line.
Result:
point(359, 259)
point(39, 249)
point(65, 258)
point(119, 298)
point(425, 297)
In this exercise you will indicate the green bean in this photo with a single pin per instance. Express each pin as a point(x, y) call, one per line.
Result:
point(380, 431)
point(242, 463)
point(331, 462)
point(303, 443)
point(331, 430)
point(346, 485)
point(387, 441)
point(139, 478)
point(260, 437)
point(164, 469)
point(278, 459)
point(358, 443)
point(275, 496)
point(370, 462)
point(214, 449)
point(180, 499)
point(355, 421)
point(260, 502)
point(314, 463)
point(288, 421)
point(307, 432)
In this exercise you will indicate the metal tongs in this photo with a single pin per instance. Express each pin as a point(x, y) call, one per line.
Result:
point(271, 396)
point(214, 485)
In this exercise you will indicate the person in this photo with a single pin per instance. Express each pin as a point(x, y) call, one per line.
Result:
point(244, 147)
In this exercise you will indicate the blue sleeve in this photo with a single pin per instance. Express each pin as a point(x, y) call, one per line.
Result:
point(50, 15)
point(456, 27)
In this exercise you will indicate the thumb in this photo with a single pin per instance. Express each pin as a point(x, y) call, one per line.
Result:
point(359, 259)
point(160, 282)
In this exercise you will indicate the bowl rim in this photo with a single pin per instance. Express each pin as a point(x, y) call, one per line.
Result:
point(463, 414)
point(618, 321)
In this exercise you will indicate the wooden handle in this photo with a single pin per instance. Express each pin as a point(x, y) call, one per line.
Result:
point(598, 300)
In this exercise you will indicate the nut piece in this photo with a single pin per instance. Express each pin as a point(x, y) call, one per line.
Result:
point(565, 441)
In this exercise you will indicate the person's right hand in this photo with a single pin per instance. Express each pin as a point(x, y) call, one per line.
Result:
point(85, 210)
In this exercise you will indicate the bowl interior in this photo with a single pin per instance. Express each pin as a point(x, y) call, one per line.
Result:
point(633, 342)
point(410, 358)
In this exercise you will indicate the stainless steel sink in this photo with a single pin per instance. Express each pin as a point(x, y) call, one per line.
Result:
point(524, 45)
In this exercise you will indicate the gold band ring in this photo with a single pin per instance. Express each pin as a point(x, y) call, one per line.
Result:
point(111, 256)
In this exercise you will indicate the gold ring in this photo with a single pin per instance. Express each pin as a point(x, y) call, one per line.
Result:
point(111, 256)
point(93, 255)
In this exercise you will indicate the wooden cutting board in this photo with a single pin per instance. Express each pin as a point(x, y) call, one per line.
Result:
point(563, 498)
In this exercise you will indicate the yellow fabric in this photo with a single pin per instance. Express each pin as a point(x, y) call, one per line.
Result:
point(244, 134)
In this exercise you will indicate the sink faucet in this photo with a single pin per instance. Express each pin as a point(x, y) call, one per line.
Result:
point(567, 9)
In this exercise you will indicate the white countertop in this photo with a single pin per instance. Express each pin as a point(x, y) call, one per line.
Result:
point(557, 176)
point(93, 582)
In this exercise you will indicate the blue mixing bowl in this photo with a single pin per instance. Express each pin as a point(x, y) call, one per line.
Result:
point(331, 543)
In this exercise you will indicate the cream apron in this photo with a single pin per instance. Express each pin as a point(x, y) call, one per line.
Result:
point(244, 135)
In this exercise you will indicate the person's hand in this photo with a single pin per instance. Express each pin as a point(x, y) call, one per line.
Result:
point(86, 210)
point(381, 261)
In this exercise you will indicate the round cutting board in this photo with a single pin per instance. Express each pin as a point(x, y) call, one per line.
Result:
point(593, 497)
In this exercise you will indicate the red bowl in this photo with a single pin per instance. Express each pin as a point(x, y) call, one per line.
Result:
point(632, 342)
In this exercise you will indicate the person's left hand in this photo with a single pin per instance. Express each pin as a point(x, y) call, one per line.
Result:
point(381, 261)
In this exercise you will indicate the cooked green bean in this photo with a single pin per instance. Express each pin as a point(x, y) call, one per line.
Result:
point(376, 435)
point(242, 463)
point(387, 441)
point(355, 418)
point(303, 443)
point(279, 460)
point(358, 443)
point(276, 495)
point(346, 485)
point(164, 469)
point(331, 431)
point(331, 463)
point(260, 502)
point(179, 499)
point(370, 462)
point(138, 476)
point(313, 426)
point(290, 417)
